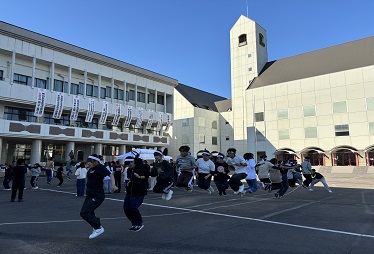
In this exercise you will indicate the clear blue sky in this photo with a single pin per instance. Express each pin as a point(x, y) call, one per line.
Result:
point(189, 39)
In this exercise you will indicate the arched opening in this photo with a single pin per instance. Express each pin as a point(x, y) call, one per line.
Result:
point(317, 155)
point(284, 154)
point(344, 156)
point(369, 155)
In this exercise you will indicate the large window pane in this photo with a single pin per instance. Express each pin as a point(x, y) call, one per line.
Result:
point(342, 130)
point(282, 114)
point(339, 107)
point(309, 110)
point(283, 134)
point(259, 117)
point(311, 132)
point(370, 103)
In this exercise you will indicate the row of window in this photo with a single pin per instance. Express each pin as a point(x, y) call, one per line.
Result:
point(311, 132)
point(337, 107)
point(201, 122)
point(91, 90)
point(20, 114)
point(186, 139)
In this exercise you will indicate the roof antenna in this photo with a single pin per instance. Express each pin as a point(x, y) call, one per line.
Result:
point(247, 7)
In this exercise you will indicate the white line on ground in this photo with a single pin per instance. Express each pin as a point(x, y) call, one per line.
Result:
point(223, 215)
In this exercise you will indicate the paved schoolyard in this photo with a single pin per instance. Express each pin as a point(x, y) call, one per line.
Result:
point(301, 222)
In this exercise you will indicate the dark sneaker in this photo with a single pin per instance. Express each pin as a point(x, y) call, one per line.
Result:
point(12, 200)
point(49, 182)
point(220, 193)
point(224, 192)
point(132, 228)
point(20, 200)
point(138, 228)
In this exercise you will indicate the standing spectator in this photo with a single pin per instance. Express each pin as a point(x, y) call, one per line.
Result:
point(8, 176)
point(240, 165)
point(35, 172)
point(107, 179)
point(19, 176)
point(221, 175)
point(94, 193)
point(49, 168)
point(307, 171)
point(136, 190)
point(165, 174)
point(205, 169)
point(317, 177)
point(251, 178)
point(186, 166)
point(118, 176)
point(60, 172)
point(81, 173)
point(69, 166)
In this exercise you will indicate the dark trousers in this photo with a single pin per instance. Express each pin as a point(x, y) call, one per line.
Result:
point(162, 186)
point(222, 184)
point(18, 185)
point(33, 181)
point(308, 179)
point(6, 182)
point(185, 179)
point(235, 180)
point(130, 207)
point(81, 184)
point(88, 210)
point(202, 182)
point(117, 180)
point(61, 179)
point(284, 188)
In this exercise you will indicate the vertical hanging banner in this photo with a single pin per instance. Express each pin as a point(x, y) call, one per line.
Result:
point(150, 119)
point(159, 121)
point(117, 114)
point(139, 119)
point(75, 108)
point(90, 110)
point(40, 102)
point(168, 121)
point(128, 116)
point(57, 112)
point(104, 113)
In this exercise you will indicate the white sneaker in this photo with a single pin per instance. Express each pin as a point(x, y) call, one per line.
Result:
point(96, 233)
point(241, 188)
point(330, 191)
point(236, 192)
point(163, 196)
point(209, 192)
point(310, 189)
point(169, 195)
point(211, 189)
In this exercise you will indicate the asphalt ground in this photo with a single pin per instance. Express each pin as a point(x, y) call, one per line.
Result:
point(48, 221)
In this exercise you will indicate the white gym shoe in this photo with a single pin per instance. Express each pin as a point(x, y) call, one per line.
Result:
point(96, 233)
point(241, 188)
point(169, 195)
point(310, 189)
point(211, 189)
point(330, 191)
point(163, 196)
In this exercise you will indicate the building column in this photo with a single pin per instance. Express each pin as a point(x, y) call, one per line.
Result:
point(98, 149)
point(2, 159)
point(68, 148)
point(52, 81)
point(13, 63)
point(122, 150)
point(33, 72)
point(69, 80)
point(36, 151)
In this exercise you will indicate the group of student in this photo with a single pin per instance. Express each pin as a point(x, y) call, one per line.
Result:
point(267, 175)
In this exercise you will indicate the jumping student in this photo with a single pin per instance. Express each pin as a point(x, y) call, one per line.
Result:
point(186, 166)
point(221, 175)
point(35, 171)
point(205, 169)
point(251, 178)
point(94, 193)
point(165, 176)
point(317, 177)
point(240, 165)
point(307, 171)
point(263, 167)
point(136, 190)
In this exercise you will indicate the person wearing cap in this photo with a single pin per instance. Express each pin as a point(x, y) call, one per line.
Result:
point(221, 175)
point(95, 196)
point(317, 177)
point(251, 178)
point(165, 174)
point(306, 167)
point(136, 189)
point(186, 166)
point(240, 173)
point(205, 169)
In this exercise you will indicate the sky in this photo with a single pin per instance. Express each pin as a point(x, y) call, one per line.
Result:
point(188, 40)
